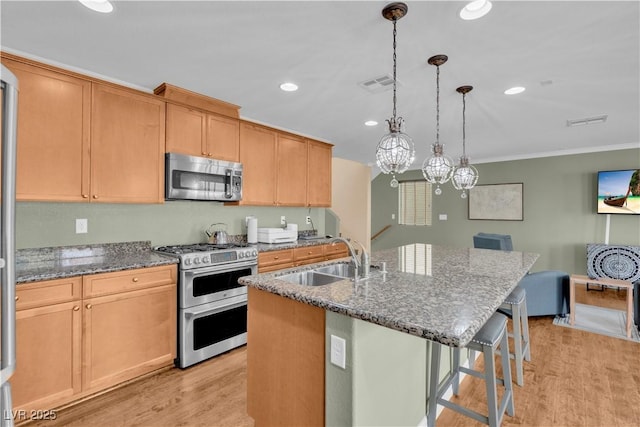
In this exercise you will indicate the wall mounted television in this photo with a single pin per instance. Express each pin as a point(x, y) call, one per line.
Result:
point(619, 192)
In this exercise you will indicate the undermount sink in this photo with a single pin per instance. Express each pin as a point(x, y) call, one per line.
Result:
point(342, 270)
point(310, 278)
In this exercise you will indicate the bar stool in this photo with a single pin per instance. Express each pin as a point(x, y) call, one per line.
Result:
point(515, 307)
point(491, 336)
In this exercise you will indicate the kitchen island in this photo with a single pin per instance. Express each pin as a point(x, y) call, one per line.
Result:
point(428, 293)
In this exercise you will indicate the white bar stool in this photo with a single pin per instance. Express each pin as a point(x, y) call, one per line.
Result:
point(515, 307)
point(491, 336)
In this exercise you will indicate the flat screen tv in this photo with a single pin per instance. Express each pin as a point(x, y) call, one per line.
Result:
point(619, 192)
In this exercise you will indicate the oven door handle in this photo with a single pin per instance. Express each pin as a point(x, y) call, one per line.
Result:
point(236, 303)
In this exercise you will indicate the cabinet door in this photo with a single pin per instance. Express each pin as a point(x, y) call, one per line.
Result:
point(258, 157)
point(49, 351)
point(319, 184)
point(53, 134)
point(185, 131)
point(127, 335)
point(292, 171)
point(127, 150)
point(223, 138)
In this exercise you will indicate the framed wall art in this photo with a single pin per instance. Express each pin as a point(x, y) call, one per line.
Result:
point(501, 202)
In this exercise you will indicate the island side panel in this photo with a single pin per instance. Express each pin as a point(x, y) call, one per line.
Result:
point(285, 361)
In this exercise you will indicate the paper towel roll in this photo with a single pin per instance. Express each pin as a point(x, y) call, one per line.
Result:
point(252, 230)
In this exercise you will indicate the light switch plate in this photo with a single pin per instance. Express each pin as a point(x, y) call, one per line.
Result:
point(338, 352)
point(442, 217)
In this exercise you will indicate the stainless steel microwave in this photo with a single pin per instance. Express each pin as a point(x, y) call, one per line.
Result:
point(200, 178)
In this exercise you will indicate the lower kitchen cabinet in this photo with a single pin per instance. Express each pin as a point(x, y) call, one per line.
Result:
point(49, 344)
point(127, 335)
point(287, 258)
point(69, 347)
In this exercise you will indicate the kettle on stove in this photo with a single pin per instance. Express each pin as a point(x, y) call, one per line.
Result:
point(217, 233)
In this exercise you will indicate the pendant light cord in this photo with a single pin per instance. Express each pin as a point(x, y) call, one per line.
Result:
point(464, 107)
point(394, 69)
point(438, 104)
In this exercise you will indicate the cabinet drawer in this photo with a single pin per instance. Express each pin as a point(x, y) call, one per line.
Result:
point(30, 295)
point(275, 257)
point(337, 250)
point(308, 252)
point(128, 280)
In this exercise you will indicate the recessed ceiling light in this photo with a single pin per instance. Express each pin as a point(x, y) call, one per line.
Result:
point(371, 123)
point(476, 9)
point(102, 6)
point(514, 90)
point(289, 87)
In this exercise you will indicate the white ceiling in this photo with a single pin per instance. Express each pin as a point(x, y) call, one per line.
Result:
point(577, 59)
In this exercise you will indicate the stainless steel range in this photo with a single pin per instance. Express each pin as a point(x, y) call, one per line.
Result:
point(212, 305)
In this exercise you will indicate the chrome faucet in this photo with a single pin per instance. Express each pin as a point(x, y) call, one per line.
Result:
point(363, 262)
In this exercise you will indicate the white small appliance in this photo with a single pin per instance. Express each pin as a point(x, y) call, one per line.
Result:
point(277, 235)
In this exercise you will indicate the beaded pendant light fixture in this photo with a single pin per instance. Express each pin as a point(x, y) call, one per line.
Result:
point(465, 176)
point(438, 168)
point(395, 151)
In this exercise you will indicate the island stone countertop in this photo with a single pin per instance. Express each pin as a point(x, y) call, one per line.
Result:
point(439, 293)
point(66, 261)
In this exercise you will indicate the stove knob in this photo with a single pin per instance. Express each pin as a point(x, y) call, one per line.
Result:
point(205, 260)
point(248, 254)
point(254, 253)
point(240, 254)
point(187, 261)
point(196, 260)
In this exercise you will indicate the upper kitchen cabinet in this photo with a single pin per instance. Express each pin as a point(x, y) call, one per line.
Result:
point(127, 146)
point(319, 174)
point(292, 171)
point(258, 157)
point(196, 133)
point(54, 115)
point(199, 125)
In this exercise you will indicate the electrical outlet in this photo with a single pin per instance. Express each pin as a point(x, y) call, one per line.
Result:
point(393, 216)
point(338, 352)
point(82, 226)
point(283, 220)
point(308, 219)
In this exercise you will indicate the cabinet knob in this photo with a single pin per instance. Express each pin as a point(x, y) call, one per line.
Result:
point(135, 279)
point(209, 154)
point(309, 253)
point(89, 306)
point(204, 153)
point(95, 196)
point(17, 298)
point(85, 196)
point(276, 257)
point(76, 308)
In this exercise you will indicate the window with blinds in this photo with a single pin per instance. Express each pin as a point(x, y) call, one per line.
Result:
point(414, 203)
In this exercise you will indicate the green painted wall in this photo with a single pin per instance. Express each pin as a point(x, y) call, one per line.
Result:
point(559, 209)
point(174, 222)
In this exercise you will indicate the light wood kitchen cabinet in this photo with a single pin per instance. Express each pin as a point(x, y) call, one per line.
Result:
point(196, 133)
point(285, 361)
point(54, 112)
point(291, 177)
point(287, 258)
point(48, 343)
point(127, 146)
point(258, 158)
point(81, 335)
point(319, 174)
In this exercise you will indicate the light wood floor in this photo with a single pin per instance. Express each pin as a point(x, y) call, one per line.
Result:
point(575, 378)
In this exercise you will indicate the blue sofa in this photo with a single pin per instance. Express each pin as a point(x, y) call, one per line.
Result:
point(547, 291)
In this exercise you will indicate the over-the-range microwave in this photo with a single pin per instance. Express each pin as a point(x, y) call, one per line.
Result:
point(200, 178)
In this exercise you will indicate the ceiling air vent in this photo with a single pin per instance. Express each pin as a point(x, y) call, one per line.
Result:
point(378, 84)
point(587, 121)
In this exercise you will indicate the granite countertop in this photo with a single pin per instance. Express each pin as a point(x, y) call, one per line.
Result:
point(439, 293)
point(66, 261)
point(300, 243)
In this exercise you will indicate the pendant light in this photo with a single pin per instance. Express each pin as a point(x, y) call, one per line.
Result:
point(438, 168)
point(395, 151)
point(465, 175)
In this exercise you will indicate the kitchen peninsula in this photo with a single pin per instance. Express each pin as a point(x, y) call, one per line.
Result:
point(428, 293)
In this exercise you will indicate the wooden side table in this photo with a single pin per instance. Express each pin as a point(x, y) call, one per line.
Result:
point(583, 280)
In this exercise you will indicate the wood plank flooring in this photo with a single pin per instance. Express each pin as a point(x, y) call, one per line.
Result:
point(575, 378)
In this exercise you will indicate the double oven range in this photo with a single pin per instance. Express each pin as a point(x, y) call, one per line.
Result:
point(212, 305)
